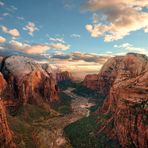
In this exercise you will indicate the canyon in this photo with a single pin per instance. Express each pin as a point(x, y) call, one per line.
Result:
point(30, 94)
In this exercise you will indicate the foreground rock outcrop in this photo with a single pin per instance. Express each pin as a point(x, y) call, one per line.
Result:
point(28, 82)
point(6, 138)
point(23, 82)
point(124, 115)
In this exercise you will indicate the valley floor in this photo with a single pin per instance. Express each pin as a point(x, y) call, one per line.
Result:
point(56, 138)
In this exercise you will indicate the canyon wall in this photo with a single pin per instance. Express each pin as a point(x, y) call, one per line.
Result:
point(63, 76)
point(124, 114)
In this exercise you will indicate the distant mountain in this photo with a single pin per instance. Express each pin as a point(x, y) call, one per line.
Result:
point(91, 81)
point(64, 76)
point(123, 81)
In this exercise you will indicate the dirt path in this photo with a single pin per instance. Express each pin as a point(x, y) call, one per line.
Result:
point(56, 138)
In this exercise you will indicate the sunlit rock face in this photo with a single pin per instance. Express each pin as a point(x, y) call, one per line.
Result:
point(50, 70)
point(124, 82)
point(6, 138)
point(28, 82)
point(91, 81)
point(3, 84)
point(63, 76)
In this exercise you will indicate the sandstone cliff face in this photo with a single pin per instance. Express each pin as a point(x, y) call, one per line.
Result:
point(1, 59)
point(124, 80)
point(28, 82)
point(91, 81)
point(62, 76)
point(6, 139)
point(3, 84)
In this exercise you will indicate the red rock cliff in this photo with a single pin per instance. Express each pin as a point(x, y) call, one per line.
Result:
point(62, 76)
point(6, 139)
point(124, 82)
point(28, 82)
point(91, 81)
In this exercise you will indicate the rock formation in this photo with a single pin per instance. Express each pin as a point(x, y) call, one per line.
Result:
point(6, 138)
point(62, 76)
point(28, 82)
point(91, 81)
point(124, 82)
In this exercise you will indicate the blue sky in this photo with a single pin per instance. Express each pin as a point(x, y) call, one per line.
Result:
point(85, 26)
point(56, 18)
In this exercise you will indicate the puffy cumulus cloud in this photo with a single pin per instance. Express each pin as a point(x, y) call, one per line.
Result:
point(13, 32)
point(31, 28)
point(119, 19)
point(131, 48)
point(2, 39)
point(59, 46)
point(57, 40)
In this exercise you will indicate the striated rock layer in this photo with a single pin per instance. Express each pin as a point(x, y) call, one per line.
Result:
point(6, 138)
point(28, 82)
point(124, 82)
point(22, 82)
point(91, 81)
point(63, 76)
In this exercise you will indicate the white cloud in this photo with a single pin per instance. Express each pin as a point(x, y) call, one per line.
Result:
point(34, 48)
point(57, 40)
point(20, 18)
point(2, 39)
point(31, 28)
point(131, 48)
point(59, 46)
point(13, 7)
point(2, 3)
point(5, 14)
point(120, 18)
point(75, 36)
point(13, 32)
point(30, 49)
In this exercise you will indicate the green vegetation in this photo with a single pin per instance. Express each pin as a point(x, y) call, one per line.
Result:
point(83, 134)
point(86, 92)
point(79, 89)
point(23, 124)
point(64, 106)
point(63, 85)
point(145, 119)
